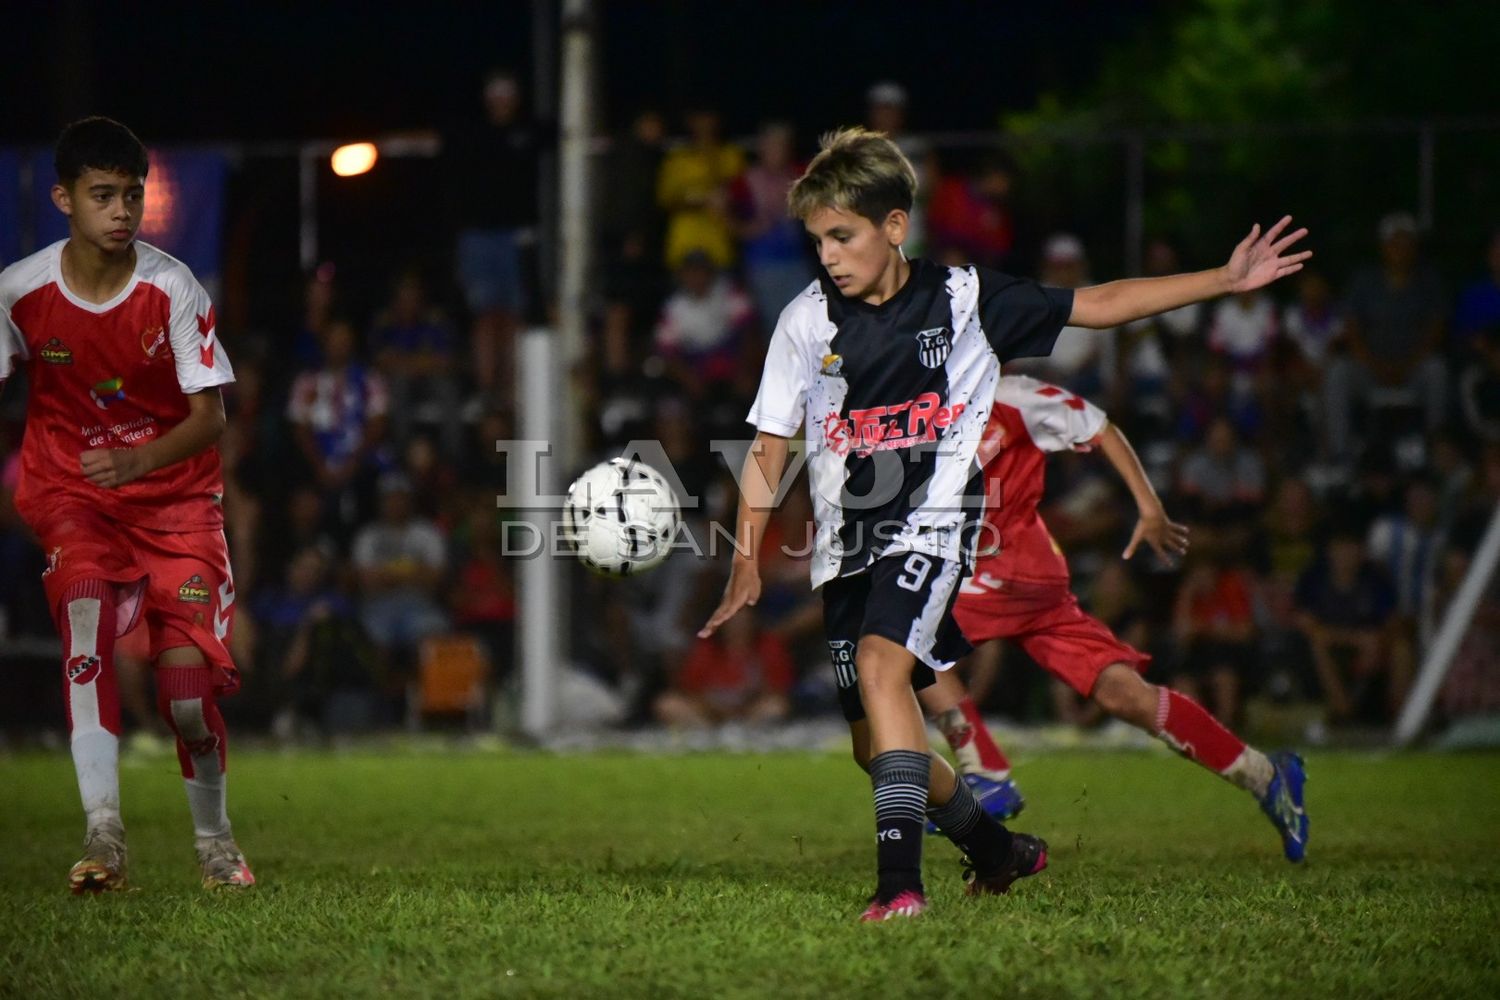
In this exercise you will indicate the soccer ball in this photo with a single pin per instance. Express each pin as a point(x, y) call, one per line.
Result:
point(622, 517)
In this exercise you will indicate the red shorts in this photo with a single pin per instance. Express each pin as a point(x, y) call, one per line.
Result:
point(176, 585)
point(1045, 621)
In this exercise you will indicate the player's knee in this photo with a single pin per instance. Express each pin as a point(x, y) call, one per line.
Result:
point(1123, 693)
point(187, 716)
point(881, 674)
point(185, 701)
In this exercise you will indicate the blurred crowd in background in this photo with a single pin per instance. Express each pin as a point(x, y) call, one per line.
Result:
point(1334, 442)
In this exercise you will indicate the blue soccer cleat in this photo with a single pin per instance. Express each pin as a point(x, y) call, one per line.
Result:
point(1001, 799)
point(1283, 803)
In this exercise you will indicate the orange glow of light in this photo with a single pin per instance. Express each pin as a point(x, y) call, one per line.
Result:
point(353, 159)
point(161, 203)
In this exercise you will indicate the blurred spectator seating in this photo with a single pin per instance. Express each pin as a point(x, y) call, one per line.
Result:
point(774, 246)
point(693, 189)
point(338, 415)
point(414, 350)
point(452, 676)
point(1397, 312)
point(400, 559)
point(1345, 611)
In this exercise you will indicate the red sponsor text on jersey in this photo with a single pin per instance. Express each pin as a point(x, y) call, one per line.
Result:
point(889, 428)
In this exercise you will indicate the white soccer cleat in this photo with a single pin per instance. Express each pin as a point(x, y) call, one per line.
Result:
point(223, 864)
point(102, 867)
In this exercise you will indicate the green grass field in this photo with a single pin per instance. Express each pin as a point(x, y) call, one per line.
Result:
point(520, 874)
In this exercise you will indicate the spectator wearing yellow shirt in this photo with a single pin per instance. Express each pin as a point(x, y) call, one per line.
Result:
point(693, 189)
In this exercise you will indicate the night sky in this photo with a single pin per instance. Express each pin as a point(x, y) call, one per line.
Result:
point(243, 71)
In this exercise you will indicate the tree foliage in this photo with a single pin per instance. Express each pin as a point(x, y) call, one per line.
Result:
point(1232, 65)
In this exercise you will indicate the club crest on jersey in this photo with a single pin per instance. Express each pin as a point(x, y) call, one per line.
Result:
point(106, 392)
point(833, 365)
point(934, 346)
point(841, 651)
point(55, 352)
point(194, 591)
point(152, 340)
point(83, 669)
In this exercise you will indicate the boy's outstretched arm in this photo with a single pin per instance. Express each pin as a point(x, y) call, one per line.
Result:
point(1260, 259)
point(758, 483)
point(1153, 527)
point(200, 430)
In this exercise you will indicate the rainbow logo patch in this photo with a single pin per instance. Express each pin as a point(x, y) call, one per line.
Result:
point(107, 392)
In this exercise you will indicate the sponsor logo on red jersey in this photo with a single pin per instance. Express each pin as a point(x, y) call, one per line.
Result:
point(194, 591)
point(55, 352)
point(109, 391)
point(83, 669)
point(890, 428)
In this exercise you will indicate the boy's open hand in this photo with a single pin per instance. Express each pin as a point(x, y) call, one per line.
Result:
point(1168, 538)
point(743, 588)
point(1261, 258)
point(112, 467)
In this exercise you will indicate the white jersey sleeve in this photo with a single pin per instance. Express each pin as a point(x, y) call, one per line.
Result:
point(193, 327)
point(12, 341)
point(1055, 418)
point(780, 405)
point(12, 345)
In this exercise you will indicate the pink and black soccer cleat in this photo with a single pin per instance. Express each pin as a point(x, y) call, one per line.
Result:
point(906, 904)
point(1028, 856)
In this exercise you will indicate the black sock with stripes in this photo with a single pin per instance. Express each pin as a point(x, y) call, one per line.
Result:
point(900, 779)
point(975, 832)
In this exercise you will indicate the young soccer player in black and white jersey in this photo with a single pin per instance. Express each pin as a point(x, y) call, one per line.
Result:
point(891, 367)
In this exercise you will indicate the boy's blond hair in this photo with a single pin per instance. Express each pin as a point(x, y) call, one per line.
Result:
point(858, 171)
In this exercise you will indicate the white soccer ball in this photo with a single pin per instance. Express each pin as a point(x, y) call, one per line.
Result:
point(622, 517)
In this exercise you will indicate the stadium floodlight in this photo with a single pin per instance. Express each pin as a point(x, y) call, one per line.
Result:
point(354, 158)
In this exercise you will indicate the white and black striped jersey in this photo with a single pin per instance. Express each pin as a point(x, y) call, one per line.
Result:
point(894, 399)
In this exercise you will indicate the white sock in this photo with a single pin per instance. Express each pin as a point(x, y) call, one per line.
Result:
point(206, 795)
point(1252, 771)
point(96, 759)
point(96, 750)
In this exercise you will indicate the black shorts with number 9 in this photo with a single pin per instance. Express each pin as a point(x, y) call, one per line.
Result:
point(906, 598)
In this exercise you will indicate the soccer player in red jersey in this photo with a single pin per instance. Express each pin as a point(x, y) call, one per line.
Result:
point(120, 481)
point(1020, 591)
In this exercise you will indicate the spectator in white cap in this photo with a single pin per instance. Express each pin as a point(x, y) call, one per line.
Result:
point(1397, 314)
point(1083, 360)
point(399, 561)
point(885, 111)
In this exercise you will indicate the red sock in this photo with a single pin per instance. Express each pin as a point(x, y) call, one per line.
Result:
point(972, 744)
point(1188, 727)
point(91, 689)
